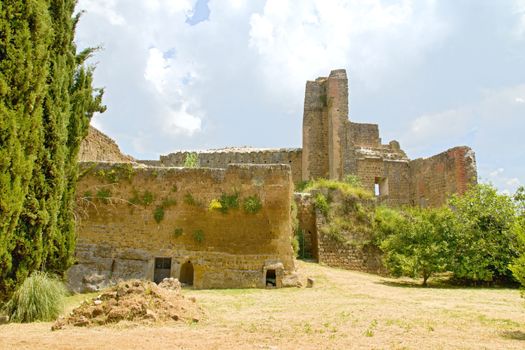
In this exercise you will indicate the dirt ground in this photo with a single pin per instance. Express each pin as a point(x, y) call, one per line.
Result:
point(344, 310)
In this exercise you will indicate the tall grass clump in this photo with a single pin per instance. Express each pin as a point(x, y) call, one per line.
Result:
point(39, 298)
point(347, 188)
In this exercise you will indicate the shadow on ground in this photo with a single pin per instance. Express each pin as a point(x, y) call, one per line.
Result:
point(515, 335)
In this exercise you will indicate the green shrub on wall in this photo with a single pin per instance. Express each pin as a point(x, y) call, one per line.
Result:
point(189, 200)
point(103, 195)
point(177, 232)
point(198, 236)
point(252, 204)
point(321, 203)
point(229, 201)
point(191, 161)
point(158, 214)
point(145, 198)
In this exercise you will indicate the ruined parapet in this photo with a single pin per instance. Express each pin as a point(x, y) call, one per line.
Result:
point(324, 126)
point(434, 179)
point(222, 158)
point(98, 147)
point(213, 228)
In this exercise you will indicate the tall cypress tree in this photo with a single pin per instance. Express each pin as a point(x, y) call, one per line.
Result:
point(25, 35)
point(44, 235)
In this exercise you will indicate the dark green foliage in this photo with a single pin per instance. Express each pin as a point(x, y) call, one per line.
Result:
point(484, 244)
point(229, 201)
point(145, 198)
point(158, 214)
point(252, 204)
point(178, 232)
point(46, 102)
point(415, 242)
point(168, 202)
point(518, 265)
point(198, 236)
point(39, 298)
point(189, 200)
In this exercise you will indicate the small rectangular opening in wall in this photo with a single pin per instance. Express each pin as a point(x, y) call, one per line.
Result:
point(271, 278)
point(381, 186)
point(162, 269)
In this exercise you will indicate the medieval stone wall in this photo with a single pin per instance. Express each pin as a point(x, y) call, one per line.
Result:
point(434, 179)
point(224, 157)
point(130, 215)
point(97, 147)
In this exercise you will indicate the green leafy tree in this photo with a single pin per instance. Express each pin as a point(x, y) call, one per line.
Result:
point(415, 241)
point(485, 241)
point(518, 265)
point(46, 102)
point(191, 161)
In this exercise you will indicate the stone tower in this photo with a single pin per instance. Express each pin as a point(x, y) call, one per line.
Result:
point(325, 123)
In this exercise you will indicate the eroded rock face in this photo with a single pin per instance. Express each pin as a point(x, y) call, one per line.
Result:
point(97, 147)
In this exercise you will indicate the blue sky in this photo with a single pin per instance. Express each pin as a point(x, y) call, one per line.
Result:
point(186, 74)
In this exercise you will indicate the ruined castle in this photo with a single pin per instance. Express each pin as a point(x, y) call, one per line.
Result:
point(227, 223)
point(334, 146)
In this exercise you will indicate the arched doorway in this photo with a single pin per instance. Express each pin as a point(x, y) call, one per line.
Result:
point(186, 273)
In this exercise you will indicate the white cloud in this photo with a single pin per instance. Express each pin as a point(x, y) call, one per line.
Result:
point(496, 172)
point(104, 8)
point(519, 10)
point(297, 41)
point(519, 100)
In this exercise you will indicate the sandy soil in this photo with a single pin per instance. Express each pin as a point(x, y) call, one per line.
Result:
point(344, 310)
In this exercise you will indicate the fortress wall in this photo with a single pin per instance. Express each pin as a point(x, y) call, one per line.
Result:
point(315, 131)
point(434, 179)
point(119, 237)
point(364, 135)
point(97, 147)
point(223, 158)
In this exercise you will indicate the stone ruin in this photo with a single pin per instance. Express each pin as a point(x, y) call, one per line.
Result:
point(153, 219)
point(334, 147)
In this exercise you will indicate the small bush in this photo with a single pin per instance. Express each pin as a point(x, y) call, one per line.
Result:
point(145, 198)
point(158, 214)
point(252, 204)
point(178, 232)
point(189, 200)
point(191, 161)
point(321, 203)
point(295, 246)
point(229, 202)
point(353, 181)
point(198, 236)
point(39, 298)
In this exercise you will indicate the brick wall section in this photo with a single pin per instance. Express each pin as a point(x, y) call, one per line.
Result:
point(434, 179)
point(223, 158)
point(120, 240)
point(337, 100)
point(307, 223)
point(97, 147)
point(315, 131)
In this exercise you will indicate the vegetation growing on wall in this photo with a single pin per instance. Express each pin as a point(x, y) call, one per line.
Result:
point(198, 236)
point(46, 102)
point(252, 204)
point(191, 161)
point(229, 201)
point(144, 198)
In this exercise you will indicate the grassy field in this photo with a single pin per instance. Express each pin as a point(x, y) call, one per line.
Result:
point(344, 310)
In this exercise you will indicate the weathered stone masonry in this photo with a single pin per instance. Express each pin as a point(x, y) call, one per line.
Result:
point(121, 240)
point(334, 147)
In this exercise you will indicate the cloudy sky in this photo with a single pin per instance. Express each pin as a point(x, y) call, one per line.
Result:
point(197, 74)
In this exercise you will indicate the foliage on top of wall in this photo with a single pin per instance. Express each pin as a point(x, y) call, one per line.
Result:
point(191, 161)
point(252, 204)
point(116, 173)
point(346, 188)
point(321, 203)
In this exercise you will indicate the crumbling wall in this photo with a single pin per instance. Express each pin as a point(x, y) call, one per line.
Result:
point(131, 215)
point(434, 179)
point(97, 147)
point(221, 158)
point(307, 224)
